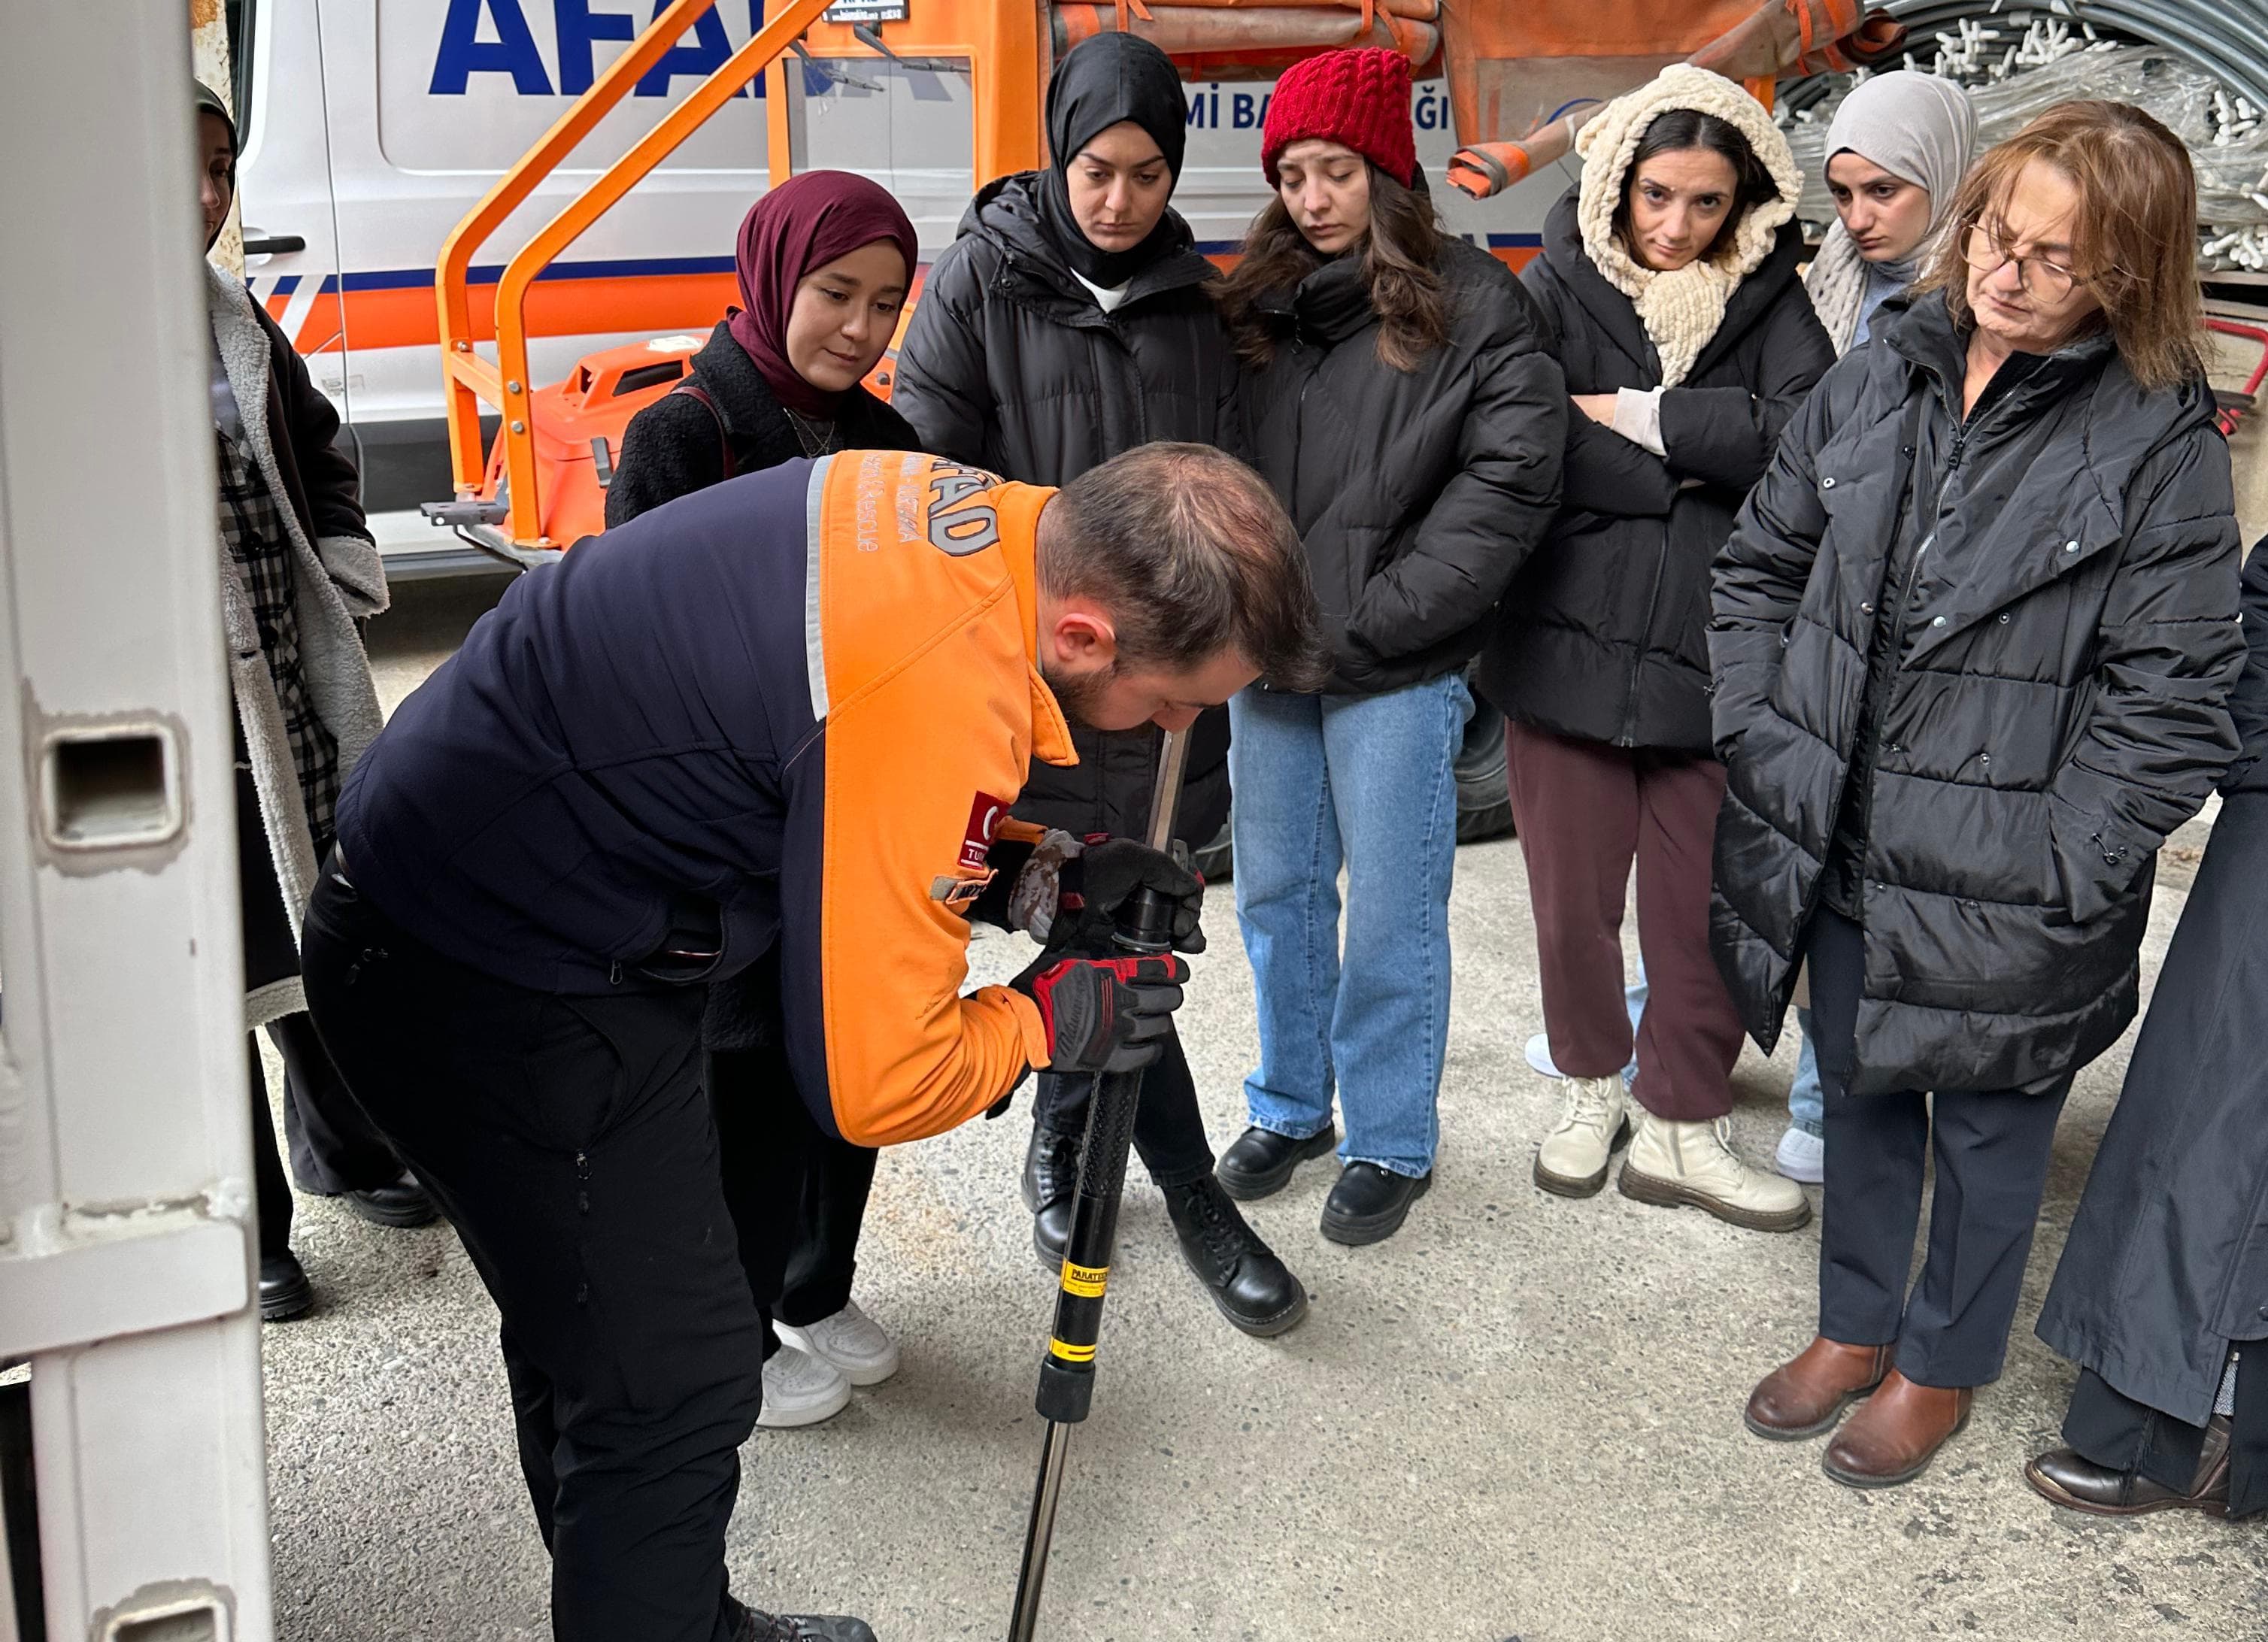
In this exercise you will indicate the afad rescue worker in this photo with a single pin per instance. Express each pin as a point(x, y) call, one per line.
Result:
point(786, 712)
point(1068, 322)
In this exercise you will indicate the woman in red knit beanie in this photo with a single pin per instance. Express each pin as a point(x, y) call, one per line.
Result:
point(1400, 396)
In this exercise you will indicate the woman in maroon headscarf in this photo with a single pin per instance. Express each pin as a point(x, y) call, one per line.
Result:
point(826, 260)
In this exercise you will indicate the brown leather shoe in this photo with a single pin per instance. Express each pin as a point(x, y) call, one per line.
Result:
point(1805, 1398)
point(2068, 1479)
point(1894, 1436)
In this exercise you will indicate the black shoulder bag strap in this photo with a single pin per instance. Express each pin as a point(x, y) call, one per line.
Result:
point(692, 389)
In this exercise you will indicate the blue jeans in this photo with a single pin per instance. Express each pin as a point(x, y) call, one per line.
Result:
point(1365, 782)
point(1806, 1108)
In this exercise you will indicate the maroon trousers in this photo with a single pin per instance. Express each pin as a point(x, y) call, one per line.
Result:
point(1586, 811)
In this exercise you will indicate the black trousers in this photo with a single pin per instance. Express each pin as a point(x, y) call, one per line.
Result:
point(333, 1145)
point(797, 1193)
point(2114, 1430)
point(1992, 1149)
point(1170, 1134)
point(570, 1142)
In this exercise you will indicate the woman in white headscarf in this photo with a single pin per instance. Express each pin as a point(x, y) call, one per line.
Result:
point(1896, 151)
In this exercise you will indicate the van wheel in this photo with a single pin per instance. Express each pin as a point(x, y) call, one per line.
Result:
point(1484, 780)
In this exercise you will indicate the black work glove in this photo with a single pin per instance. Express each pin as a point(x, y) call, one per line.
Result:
point(1104, 1014)
point(1098, 884)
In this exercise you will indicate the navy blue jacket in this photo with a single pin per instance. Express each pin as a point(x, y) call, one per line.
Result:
point(603, 751)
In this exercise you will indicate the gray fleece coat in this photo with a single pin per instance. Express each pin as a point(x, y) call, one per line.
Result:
point(338, 578)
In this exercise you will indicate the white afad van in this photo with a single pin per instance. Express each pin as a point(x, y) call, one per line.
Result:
point(372, 127)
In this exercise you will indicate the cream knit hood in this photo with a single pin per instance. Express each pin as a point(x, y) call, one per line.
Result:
point(1681, 310)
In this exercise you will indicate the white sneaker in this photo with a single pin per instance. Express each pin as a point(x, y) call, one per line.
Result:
point(1594, 1119)
point(1802, 1156)
point(800, 1389)
point(851, 1340)
point(1672, 1164)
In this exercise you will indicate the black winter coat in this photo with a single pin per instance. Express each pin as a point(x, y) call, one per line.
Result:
point(1010, 364)
point(1417, 494)
point(2057, 705)
point(672, 448)
point(1603, 636)
point(2168, 1260)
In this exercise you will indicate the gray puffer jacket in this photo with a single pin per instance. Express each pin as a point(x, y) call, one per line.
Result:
point(2054, 701)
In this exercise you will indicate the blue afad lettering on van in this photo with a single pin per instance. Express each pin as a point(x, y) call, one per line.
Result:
point(579, 29)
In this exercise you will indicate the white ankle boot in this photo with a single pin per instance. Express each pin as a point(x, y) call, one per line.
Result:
point(1594, 1119)
point(1672, 1164)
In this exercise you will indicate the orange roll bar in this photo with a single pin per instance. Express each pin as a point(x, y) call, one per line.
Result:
point(469, 379)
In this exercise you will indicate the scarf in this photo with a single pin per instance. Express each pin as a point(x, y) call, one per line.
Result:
point(1918, 127)
point(806, 223)
point(1106, 80)
point(1683, 310)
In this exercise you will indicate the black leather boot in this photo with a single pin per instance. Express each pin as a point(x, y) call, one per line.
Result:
point(1252, 1287)
point(757, 1626)
point(284, 1291)
point(2075, 1481)
point(1260, 1162)
point(403, 1204)
point(1050, 1181)
point(1369, 1203)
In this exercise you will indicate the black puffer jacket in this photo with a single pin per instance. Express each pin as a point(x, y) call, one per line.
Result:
point(1603, 635)
point(2057, 706)
point(1010, 364)
point(672, 448)
point(1418, 493)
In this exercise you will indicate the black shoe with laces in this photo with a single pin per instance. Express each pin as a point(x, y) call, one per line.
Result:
point(1254, 1290)
point(757, 1626)
point(1050, 1182)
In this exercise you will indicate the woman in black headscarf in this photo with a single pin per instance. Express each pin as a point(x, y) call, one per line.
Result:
point(1068, 323)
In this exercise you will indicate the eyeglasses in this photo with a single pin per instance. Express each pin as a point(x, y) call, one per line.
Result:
point(2051, 282)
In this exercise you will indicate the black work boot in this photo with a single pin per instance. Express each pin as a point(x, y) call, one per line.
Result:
point(757, 1626)
point(1050, 1181)
point(284, 1291)
point(1252, 1287)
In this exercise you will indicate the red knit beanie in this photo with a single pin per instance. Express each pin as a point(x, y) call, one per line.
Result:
point(1359, 98)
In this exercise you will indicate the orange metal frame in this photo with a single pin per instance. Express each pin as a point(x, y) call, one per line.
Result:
point(1008, 46)
point(1005, 45)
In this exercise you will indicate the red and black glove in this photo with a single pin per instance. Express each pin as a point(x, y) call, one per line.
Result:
point(1104, 1014)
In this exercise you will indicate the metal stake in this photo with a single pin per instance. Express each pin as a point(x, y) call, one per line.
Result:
point(1067, 1371)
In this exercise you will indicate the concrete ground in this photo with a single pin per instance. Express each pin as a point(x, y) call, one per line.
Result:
point(1520, 1418)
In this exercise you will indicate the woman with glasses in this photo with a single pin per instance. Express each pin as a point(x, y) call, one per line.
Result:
point(1972, 641)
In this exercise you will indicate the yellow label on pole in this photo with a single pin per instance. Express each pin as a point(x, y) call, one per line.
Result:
point(1072, 1354)
point(1086, 1282)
